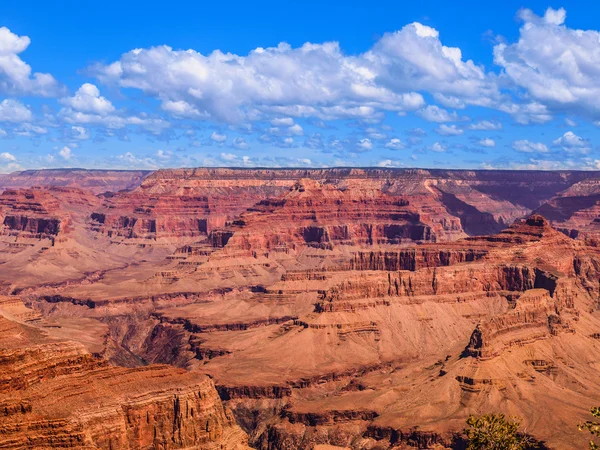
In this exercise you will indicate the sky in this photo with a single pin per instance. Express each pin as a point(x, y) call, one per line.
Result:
point(434, 84)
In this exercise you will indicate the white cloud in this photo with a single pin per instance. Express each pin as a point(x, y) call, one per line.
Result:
point(80, 133)
point(16, 76)
point(229, 157)
point(438, 147)
point(14, 111)
point(240, 143)
point(487, 142)
point(449, 101)
point(65, 153)
point(164, 154)
point(28, 129)
point(296, 130)
point(182, 108)
point(485, 125)
point(571, 142)
point(88, 107)
point(434, 113)
point(525, 146)
point(364, 144)
point(395, 144)
point(5, 156)
point(376, 135)
point(155, 126)
point(556, 66)
point(87, 99)
point(414, 57)
point(314, 80)
point(130, 161)
point(218, 137)
point(282, 122)
point(449, 130)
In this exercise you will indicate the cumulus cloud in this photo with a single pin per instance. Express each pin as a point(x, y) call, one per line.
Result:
point(315, 80)
point(88, 107)
point(130, 161)
point(526, 146)
point(415, 57)
point(571, 142)
point(240, 143)
point(389, 163)
point(228, 157)
point(364, 145)
point(434, 113)
point(16, 77)
point(555, 65)
point(79, 133)
point(5, 156)
point(113, 121)
point(395, 144)
point(87, 99)
point(65, 153)
point(164, 154)
point(296, 130)
point(438, 147)
point(487, 142)
point(485, 125)
point(449, 130)
point(218, 137)
point(14, 111)
point(28, 130)
point(282, 122)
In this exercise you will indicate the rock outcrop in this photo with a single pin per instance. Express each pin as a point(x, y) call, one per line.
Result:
point(360, 308)
point(57, 395)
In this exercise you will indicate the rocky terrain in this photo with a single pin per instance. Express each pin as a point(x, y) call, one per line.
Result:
point(292, 309)
point(96, 181)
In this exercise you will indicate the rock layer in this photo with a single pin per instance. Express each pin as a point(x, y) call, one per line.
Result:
point(359, 308)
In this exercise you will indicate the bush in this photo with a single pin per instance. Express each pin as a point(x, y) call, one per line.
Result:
point(592, 427)
point(496, 432)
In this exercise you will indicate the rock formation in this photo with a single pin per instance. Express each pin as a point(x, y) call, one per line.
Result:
point(357, 308)
point(54, 394)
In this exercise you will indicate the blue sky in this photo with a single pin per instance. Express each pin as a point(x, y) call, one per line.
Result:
point(421, 84)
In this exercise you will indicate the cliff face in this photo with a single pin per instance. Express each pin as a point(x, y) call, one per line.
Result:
point(329, 307)
point(57, 395)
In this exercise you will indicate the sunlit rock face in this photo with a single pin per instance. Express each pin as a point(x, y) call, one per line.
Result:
point(295, 308)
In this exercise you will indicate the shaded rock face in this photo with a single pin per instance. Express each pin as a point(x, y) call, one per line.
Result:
point(360, 308)
point(34, 225)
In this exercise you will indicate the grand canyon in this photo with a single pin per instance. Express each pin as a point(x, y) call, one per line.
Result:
point(301, 309)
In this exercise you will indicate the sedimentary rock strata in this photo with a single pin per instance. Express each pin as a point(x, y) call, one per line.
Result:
point(360, 308)
point(56, 395)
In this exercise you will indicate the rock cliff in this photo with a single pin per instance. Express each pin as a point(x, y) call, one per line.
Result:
point(57, 395)
point(360, 308)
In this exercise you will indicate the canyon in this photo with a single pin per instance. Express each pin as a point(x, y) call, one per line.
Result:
point(360, 308)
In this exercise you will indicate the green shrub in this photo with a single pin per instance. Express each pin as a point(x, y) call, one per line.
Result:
point(592, 427)
point(495, 432)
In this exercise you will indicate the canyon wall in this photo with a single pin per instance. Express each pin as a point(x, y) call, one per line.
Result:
point(289, 308)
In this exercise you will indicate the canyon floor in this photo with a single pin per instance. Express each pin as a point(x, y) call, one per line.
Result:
point(296, 309)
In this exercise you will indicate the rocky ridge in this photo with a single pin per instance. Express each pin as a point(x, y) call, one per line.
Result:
point(361, 308)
